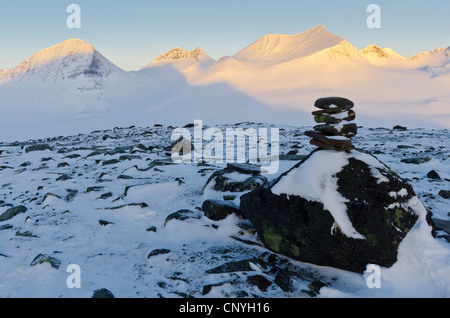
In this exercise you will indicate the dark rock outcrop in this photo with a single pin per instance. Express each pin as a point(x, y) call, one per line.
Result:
point(377, 203)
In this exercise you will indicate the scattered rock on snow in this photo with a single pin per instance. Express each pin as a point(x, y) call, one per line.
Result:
point(217, 210)
point(236, 178)
point(236, 266)
point(283, 280)
point(433, 175)
point(37, 147)
point(443, 225)
point(416, 160)
point(445, 194)
point(259, 281)
point(158, 251)
point(44, 258)
point(104, 223)
point(180, 215)
point(102, 293)
point(12, 212)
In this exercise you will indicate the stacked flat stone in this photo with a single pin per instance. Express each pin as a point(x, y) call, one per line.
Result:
point(333, 130)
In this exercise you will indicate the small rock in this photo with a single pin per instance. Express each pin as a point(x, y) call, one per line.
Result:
point(102, 293)
point(217, 210)
point(347, 130)
point(329, 142)
point(327, 102)
point(283, 280)
point(94, 189)
point(105, 196)
point(246, 168)
point(433, 175)
point(235, 266)
point(443, 225)
point(129, 157)
point(110, 162)
point(141, 205)
point(6, 227)
point(75, 155)
point(416, 160)
point(43, 258)
point(37, 147)
point(158, 251)
point(50, 195)
point(71, 195)
point(12, 212)
point(315, 286)
point(221, 181)
point(25, 234)
point(398, 127)
point(445, 194)
point(259, 281)
point(180, 215)
point(64, 177)
point(207, 288)
point(104, 223)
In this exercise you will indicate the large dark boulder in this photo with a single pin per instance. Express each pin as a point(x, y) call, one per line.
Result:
point(378, 205)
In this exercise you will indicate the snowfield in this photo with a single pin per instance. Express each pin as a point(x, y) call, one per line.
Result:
point(105, 201)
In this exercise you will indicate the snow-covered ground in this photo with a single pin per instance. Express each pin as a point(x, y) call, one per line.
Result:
point(102, 201)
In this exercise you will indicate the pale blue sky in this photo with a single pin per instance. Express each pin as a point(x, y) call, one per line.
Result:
point(133, 32)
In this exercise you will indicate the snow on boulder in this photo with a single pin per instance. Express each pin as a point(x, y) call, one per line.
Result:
point(335, 208)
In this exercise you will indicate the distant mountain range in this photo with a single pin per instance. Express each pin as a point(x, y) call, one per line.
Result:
point(276, 77)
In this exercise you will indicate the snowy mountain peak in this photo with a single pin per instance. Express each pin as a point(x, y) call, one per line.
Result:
point(373, 51)
point(182, 59)
point(276, 48)
point(180, 54)
point(70, 59)
point(381, 56)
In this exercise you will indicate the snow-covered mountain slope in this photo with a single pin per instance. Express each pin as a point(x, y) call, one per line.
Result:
point(277, 78)
point(284, 78)
point(432, 58)
point(382, 56)
point(70, 59)
point(277, 48)
point(435, 62)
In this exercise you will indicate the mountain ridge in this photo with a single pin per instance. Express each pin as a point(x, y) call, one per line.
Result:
point(274, 79)
point(276, 48)
point(270, 49)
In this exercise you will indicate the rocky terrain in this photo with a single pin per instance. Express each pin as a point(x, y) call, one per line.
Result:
point(138, 225)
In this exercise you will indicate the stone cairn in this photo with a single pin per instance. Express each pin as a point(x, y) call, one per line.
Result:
point(333, 131)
